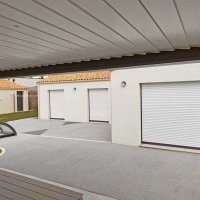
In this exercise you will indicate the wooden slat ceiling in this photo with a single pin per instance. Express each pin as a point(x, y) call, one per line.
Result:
point(35, 33)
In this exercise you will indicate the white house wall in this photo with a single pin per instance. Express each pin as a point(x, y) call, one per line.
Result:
point(8, 101)
point(126, 101)
point(76, 102)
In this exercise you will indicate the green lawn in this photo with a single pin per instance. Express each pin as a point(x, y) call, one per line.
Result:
point(18, 115)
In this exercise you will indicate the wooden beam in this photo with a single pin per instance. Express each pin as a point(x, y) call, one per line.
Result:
point(136, 61)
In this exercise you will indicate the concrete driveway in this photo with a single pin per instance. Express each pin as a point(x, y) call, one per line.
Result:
point(58, 128)
point(116, 171)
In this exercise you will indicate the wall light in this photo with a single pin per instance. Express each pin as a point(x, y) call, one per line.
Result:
point(123, 83)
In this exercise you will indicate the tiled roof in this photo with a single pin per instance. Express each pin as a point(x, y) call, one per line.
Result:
point(77, 77)
point(9, 85)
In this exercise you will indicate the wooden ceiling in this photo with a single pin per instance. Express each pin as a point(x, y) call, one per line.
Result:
point(42, 33)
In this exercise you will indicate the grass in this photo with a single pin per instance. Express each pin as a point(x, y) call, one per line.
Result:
point(18, 115)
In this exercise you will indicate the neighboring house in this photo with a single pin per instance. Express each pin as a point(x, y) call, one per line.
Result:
point(31, 84)
point(13, 97)
point(79, 97)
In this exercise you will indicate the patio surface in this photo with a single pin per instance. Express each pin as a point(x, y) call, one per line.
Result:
point(59, 128)
point(116, 171)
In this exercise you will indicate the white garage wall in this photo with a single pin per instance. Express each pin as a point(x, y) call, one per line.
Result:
point(126, 102)
point(76, 102)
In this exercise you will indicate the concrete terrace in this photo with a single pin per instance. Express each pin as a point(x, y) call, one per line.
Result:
point(116, 171)
point(97, 131)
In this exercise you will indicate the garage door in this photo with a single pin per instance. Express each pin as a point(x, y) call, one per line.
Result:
point(99, 105)
point(171, 114)
point(56, 104)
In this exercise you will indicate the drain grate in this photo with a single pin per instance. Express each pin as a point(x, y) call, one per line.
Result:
point(68, 123)
point(38, 132)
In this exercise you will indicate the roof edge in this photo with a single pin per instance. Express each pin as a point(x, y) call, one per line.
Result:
point(48, 82)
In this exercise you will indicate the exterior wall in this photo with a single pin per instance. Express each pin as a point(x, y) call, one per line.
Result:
point(76, 102)
point(33, 99)
point(8, 101)
point(126, 102)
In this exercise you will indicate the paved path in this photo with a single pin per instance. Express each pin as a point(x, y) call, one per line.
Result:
point(116, 171)
point(87, 131)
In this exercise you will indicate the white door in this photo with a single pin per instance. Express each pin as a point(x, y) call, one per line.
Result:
point(171, 114)
point(56, 104)
point(99, 104)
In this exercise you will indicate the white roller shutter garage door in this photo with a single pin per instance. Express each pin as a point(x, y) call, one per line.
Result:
point(171, 114)
point(98, 105)
point(56, 98)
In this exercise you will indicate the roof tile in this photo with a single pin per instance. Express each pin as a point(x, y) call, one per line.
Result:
point(8, 85)
point(77, 77)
